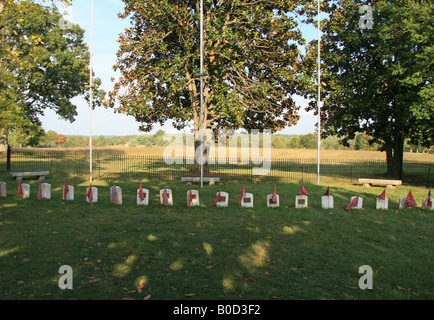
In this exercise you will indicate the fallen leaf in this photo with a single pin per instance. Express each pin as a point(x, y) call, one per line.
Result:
point(190, 294)
point(147, 297)
point(141, 285)
point(402, 288)
point(88, 262)
point(99, 261)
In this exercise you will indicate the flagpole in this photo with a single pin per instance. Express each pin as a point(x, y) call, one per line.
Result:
point(90, 90)
point(201, 93)
point(319, 91)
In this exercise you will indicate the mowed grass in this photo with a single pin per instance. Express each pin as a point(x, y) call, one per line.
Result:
point(175, 252)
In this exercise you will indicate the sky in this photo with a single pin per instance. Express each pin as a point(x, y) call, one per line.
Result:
point(106, 29)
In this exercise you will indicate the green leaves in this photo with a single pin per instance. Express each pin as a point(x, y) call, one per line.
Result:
point(246, 51)
point(43, 66)
point(378, 80)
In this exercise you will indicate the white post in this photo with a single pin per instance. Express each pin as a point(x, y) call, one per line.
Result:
point(90, 89)
point(201, 92)
point(319, 91)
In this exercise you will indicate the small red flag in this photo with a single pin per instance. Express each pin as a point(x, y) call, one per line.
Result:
point(217, 199)
point(243, 194)
point(20, 190)
point(354, 203)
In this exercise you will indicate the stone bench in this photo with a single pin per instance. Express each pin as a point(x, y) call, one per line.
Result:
point(40, 175)
point(210, 180)
point(380, 182)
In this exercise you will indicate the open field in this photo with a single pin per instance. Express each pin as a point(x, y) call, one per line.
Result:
point(287, 165)
point(275, 153)
point(210, 253)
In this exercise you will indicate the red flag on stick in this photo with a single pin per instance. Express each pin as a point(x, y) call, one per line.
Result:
point(217, 199)
point(382, 196)
point(302, 191)
point(39, 192)
point(89, 194)
point(409, 201)
point(141, 194)
point(243, 194)
point(354, 203)
point(65, 190)
point(20, 189)
point(190, 198)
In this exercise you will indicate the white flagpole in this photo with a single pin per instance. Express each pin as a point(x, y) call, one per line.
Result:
point(319, 90)
point(90, 89)
point(201, 93)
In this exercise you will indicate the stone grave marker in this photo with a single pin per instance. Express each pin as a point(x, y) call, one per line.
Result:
point(92, 194)
point(221, 199)
point(142, 196)
point(26, 190)
point(194, 199)
point(301, 201)
point(68, 192)
point(327, 202)
point(382, 201)
point(116, 195)
point(271, 203)
point(247, 200)
point(45, 191)
point(3, 189)
point(407, 202)
point(166, 197)
point(355, 203)
point(427, 202)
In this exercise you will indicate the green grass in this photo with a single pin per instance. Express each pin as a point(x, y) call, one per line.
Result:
point(176, 252)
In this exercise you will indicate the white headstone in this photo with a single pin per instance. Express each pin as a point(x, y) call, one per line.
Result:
point(247, 201)
point(94, 195)
point(424, 204)
point(169, 200)
point(270, 202)
point(195, 198)
point(145, 200)
point(118, 198)
point(46, 190)
point(359, 202)
point(3, 189)
point(382, 204)
point(224, 199)
point(69, 195)
point(301, 201)
point(327, 202)
point(26, 190)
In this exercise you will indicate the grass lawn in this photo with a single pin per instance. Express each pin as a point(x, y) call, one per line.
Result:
point(175, 252)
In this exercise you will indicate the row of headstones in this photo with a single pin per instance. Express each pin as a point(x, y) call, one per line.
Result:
point(222, 198)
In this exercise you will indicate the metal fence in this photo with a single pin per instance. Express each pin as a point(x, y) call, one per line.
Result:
point(114, 165)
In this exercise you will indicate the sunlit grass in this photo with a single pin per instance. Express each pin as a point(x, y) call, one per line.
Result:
point(206, 252)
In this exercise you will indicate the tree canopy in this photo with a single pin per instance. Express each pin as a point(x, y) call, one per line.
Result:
point(378, 80)
point(251, 63)
point(43, 66)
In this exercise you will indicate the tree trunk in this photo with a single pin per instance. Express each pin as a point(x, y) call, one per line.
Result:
point(395, 156)
point(195, 171)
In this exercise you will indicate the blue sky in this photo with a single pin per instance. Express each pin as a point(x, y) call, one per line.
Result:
point(107, 27)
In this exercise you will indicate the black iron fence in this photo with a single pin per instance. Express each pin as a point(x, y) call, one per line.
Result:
point(114, 165)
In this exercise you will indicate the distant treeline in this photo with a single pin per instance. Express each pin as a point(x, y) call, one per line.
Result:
point(52, 139)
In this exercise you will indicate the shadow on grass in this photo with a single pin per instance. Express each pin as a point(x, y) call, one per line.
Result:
point(176, 252)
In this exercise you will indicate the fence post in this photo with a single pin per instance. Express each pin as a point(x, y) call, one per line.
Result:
point(8, 158)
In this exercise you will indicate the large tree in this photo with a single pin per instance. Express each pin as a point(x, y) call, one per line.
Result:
point(251, 63)
point(42, 65)
point(378, 79)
